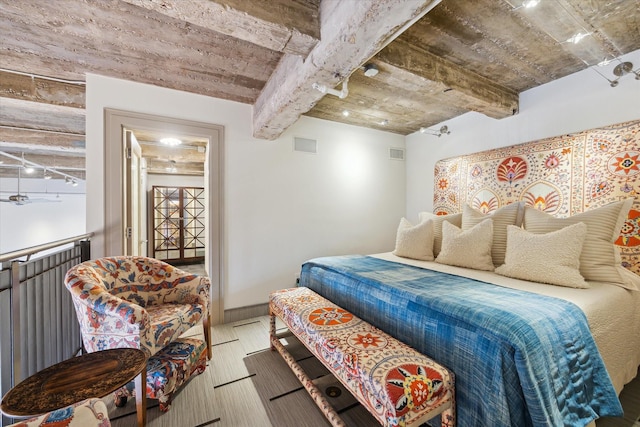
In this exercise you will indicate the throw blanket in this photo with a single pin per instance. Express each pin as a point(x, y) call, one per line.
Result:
point(520, 359)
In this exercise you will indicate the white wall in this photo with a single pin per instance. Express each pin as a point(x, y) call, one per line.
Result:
point(280, 207)
point(581, 101)
point(40, 222)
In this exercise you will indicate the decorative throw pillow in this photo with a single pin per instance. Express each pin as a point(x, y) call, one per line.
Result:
point(552, 258)
point(467, 248)
point(455, 219)
point(503, 217)
point(415, 241)
point(600, 259)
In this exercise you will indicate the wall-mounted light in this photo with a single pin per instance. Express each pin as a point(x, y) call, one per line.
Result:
point(172, 167)
point(620, 70)
point(444, 130)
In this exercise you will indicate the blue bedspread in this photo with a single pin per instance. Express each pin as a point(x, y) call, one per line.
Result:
point(520, 359)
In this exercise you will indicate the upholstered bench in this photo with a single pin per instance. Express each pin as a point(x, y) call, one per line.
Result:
point(397, 385)
point(168, 370)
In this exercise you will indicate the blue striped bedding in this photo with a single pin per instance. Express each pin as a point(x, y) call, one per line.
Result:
point(520, 359)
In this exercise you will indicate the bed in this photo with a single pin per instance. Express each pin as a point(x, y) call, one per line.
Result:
point(479, 376)
point(553, 347)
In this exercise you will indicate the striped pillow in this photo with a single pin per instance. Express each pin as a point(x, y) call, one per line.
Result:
point(455, 219)
point(600, 259)
point(506, 215)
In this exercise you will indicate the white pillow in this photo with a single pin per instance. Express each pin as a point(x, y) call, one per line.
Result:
point(552, 258)
point(503, 217)
point(414, 241)
point(600, 259)
point(469, 248)
point(455, 219)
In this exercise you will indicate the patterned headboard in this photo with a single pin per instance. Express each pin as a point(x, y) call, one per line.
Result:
point(563, 175)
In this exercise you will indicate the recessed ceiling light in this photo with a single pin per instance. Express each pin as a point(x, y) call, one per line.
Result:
point(171, 141)
point(345, 113)
point(575, 39)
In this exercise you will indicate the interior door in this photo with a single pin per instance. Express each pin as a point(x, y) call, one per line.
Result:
point(178, 224)
point(133, 191)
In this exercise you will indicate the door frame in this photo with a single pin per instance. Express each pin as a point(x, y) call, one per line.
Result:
point(117, 120)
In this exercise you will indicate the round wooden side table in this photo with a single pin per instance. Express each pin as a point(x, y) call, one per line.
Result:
point(73, 380)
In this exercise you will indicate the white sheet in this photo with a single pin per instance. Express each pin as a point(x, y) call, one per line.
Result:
point(613, 313)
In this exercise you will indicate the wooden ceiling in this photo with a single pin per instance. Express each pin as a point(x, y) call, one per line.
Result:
point(436, 59)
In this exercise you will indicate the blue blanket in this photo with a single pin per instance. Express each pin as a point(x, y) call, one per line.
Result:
point(520, 359)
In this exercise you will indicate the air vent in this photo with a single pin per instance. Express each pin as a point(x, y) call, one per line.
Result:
point(396, 153)
point(305, 145)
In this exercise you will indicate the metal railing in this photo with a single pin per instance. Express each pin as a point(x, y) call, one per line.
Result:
point(38, 324)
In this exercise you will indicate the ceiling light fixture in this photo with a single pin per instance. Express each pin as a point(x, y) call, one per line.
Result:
point(384, 122)
point(26, 168)
point(528, 4)
point(345, 113)
point(47, 175)
point(444, 130)
point(575, 39)
point(74, 183)
point(172, 142)
point(370, 70)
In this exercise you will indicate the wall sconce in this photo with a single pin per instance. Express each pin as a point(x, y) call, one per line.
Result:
point(622, 69)
point(444, 130)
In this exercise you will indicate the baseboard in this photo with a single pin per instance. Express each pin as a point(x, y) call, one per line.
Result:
point(247, 312)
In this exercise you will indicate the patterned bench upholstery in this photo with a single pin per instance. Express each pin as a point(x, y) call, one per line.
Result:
point(397, 385)
point(169, 369)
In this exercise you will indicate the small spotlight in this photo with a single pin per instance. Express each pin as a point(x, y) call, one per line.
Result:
point(575, 39)
point(28, 169)
point(384, 122)
point(67, 180)
point(47, 175)
point(528, 4)
point(370, 70)
point(345, 113)
point(74, 183)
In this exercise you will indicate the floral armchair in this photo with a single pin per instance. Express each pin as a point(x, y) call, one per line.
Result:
point(137, 302)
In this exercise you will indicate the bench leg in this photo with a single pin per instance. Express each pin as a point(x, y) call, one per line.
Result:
point(448, 416)
point(324, 406)
point(272, 330)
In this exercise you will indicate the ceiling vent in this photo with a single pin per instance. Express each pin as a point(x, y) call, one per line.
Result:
point(305, 145)
point(396, 153)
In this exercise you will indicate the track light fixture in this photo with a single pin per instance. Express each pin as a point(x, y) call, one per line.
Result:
point(444, 130)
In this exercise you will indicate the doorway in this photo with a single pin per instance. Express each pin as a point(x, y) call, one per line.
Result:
point(116, 210)
point(178, 220)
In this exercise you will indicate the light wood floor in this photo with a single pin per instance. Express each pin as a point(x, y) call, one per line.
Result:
point(228, 393)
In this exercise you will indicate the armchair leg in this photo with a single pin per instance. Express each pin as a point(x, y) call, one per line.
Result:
point(206, 326)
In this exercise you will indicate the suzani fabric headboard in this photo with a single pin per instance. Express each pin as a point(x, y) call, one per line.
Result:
point(563, 175)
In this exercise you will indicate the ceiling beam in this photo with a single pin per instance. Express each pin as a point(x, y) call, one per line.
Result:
point(352, 32)
point(41, 142)
point(280, 25)
point(33, 88)
point(463, 88)
point(22, 114)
